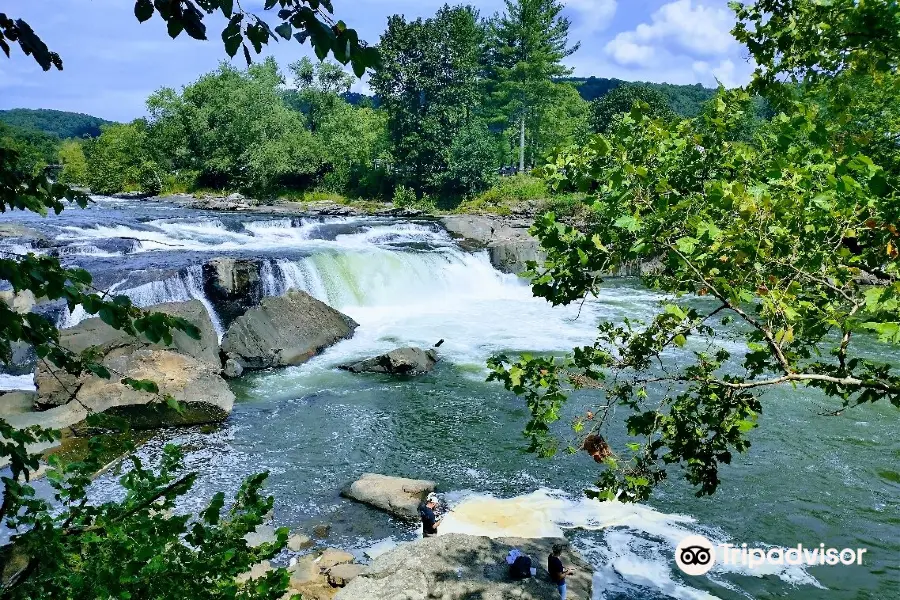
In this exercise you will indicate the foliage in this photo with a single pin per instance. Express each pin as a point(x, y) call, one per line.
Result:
point(74, 163)
point(622, 99)
point(58, 123)
point(507, 193)
point(472, 164)
point(526, 46)
point(232, 127)
point(320, 90)
point(34, 149)
point(137, 548)
point(684, 100)
point(118, 160)
point(791, 233)
point(134, 548)
point(427, 85)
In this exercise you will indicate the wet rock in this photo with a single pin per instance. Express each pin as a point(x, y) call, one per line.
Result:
point(16, 402)
point(256, 571)
point(465, 566)
point(188, 370)
point(341, 575)
point(264, 534)
point(232, 285)
point(332, 557)
point(285, 330)
point(508, 242)
point(402, 361)
point(322, 531)
point(298, 542)
point(233, 368)
point(396, 495)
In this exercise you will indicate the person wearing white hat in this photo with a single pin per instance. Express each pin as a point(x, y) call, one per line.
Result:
point(430, 522)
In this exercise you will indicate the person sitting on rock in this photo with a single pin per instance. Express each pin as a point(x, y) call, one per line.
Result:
point(519, 564)
point(430, 522)
point(557, 572)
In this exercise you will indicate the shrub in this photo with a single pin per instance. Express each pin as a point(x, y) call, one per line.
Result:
point(506, 194)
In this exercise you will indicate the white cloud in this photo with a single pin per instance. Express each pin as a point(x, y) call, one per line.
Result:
point(677, 27)
point(626, 52)
point(591, 15)
point(724, 72)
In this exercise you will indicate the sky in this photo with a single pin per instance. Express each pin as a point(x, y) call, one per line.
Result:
point(112, 62)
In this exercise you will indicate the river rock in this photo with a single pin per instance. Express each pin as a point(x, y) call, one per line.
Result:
point(16, 402)
point(285, 330)
point(463, 566)
point(233, 367)
point(232, 285)
point(298, 542)
point(341, 575)
point(188, 370)
point(396, 495)
point(402, 361)
point(508, 242)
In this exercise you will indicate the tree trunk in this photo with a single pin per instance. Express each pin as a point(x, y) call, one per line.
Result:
point(522, 144)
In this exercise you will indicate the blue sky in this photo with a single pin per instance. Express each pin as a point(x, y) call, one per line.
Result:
point(112, 63)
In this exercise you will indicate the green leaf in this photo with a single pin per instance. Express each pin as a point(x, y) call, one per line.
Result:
point(143, 10)
point(284, 30)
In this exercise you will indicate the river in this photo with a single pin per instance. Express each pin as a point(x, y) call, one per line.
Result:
point(807, 479)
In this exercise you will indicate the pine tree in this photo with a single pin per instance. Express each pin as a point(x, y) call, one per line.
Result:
point(527, 45)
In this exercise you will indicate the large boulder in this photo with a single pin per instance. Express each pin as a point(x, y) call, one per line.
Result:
point(402, 361)
point(457, 566)
point(507, 241)
point(285, 330)
point(187, 370)
point(396, 495)
point(232, 285)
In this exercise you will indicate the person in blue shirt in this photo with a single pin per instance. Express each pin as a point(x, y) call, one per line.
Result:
point(430, 522)
point(557, 572)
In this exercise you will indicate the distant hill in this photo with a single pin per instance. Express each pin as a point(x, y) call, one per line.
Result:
point(686, 100)
point(58, 123)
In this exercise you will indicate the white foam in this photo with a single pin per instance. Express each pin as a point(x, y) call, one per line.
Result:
point(637, 544)
point(17, 382)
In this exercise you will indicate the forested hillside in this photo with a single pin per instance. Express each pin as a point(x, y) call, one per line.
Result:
point(58, 123)
point(685, 100)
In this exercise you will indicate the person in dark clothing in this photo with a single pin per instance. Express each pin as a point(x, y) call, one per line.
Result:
point(430, 522)
point(521, 567)
point(557, 572)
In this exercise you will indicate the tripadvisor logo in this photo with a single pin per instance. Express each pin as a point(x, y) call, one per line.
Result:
point(696, 555)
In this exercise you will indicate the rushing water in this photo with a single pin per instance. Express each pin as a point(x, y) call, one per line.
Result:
point(807, 479)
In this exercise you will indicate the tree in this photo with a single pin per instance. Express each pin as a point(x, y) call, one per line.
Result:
point(622, 99)
point(428, 86)
point(58, 123)
point(320, 89)
point(473, 161)
point(526, 47)
point(74, 163)
point(34, 149)
point(792, 234)
point(232, 127)
point(133, 548)
point(116, 160)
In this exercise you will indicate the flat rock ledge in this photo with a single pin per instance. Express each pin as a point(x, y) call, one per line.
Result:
point(457, 567)
point(397, 496)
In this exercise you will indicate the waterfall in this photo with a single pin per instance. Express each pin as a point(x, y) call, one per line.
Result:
point(379, 277)
point(187, 285)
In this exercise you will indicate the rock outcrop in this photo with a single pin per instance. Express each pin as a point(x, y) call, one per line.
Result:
point(317, 576)
point(396, 495)
point(461, 566)
point(285, 330)
point(232, 285)
point(508, 242)
point(402, 361)
point(188, 370)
